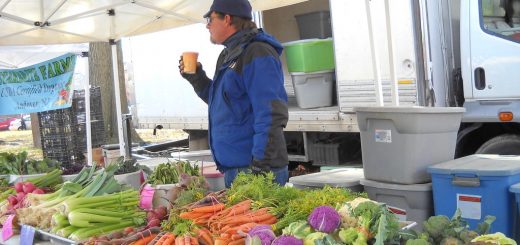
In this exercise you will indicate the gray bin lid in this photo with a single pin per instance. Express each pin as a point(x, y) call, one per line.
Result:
point(515, 189)
point(410, 109)
point(347, 177)
point(479, 165)
point(397, 187)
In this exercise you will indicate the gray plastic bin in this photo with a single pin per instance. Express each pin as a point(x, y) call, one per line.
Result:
point(399, 143)
point(314, 25)
point(314, 89)
point(343, 178)
point(408, 202)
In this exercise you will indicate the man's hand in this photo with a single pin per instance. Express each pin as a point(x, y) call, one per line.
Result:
point(198, 80)
point(190, 77)
point(257, 167)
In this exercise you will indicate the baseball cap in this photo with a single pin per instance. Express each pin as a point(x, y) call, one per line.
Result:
point(240, 8)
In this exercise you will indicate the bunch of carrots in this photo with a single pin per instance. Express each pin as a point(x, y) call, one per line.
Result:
point(168, 238)
point(228, 225)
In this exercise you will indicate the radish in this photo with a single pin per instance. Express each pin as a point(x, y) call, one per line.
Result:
point(12, 200)
point(20, 196)
point(18, 187)
point(28, 187)
point(38, 191)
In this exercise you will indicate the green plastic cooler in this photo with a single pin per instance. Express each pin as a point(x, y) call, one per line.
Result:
point(310, 55)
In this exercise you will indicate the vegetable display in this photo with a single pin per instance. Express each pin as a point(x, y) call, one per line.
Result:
point(129, 166)
point(94, 209)
point(443, 230)
point(18, 164)
point(170, 172)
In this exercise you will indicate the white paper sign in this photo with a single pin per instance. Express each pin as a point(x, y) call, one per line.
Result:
point(470, 206)
point(383, 136)
point(400, 213)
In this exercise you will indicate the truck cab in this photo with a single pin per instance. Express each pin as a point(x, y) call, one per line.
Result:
point(490, 51)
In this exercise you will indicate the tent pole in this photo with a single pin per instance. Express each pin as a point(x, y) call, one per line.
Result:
point(87, 119)
point(391, 56)
point(119, 115)
point(375, 56)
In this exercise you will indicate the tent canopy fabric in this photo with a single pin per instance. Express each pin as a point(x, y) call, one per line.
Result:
point(31, 22)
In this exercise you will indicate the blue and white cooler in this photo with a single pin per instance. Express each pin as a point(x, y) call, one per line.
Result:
point(478, 185)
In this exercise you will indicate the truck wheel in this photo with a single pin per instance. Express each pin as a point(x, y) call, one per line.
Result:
point(507, 144)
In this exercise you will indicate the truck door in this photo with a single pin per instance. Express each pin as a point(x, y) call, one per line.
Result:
point(494, 53)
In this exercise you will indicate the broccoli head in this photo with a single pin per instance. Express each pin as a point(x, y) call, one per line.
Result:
point(361, 240)
point(348, 236)
point(435, 226)
point(424, 236)
point(467, 235)
point(451, 241)
point(418, 242)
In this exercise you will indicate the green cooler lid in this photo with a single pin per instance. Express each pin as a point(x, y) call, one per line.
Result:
point(342, 178)
point(479, 165)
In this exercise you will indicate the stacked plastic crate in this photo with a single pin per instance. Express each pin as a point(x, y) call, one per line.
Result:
point(96, 119)
point(58, 136)
point(63, 133)
point(310, 61)
point(398, 144)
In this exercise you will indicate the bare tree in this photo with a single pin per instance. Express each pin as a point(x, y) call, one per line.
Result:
point(101, 74)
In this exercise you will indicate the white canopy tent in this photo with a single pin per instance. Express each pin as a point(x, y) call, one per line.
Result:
point(43, 22)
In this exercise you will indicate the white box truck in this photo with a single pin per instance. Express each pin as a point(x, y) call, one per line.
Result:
point(446, 53)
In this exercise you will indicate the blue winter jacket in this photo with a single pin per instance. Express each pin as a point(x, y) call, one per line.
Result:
point(247, 102)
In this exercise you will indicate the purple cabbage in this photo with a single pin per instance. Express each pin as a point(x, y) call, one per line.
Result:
point(287, 240)
point(260, 235)
point(325, 219)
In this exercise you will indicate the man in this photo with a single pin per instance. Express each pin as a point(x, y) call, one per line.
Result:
point(23, 126)
point(246, 99)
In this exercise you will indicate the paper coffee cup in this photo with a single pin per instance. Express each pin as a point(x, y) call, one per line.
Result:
point(190, 62)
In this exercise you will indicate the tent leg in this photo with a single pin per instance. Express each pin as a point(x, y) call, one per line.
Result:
point(87, 119)
point(119, 116)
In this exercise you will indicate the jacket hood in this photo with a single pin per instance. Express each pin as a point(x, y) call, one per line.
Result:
point(264, 37)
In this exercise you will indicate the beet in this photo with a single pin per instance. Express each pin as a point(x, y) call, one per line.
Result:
point(161, 212)
point(154, 223)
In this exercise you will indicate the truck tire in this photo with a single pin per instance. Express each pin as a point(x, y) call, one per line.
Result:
point(506, 144)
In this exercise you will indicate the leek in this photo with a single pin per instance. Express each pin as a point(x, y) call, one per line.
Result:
point(48, 180)
point(65, 232)
point(59, 220)
point(84, 233)
point(90, 220)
